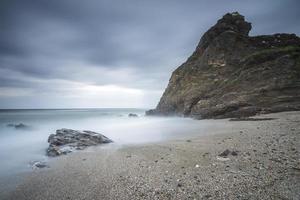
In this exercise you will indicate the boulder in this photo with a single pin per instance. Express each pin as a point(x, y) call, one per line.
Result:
point(68, 140)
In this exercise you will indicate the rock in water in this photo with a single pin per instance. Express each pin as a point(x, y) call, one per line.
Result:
point(67, 140)
point(18, 126)
point(132, 115)
point(231, 74)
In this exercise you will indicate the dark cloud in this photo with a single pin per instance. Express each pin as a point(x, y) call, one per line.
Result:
point(131, 44)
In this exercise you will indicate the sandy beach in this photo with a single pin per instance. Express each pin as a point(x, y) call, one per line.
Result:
point(263, 163)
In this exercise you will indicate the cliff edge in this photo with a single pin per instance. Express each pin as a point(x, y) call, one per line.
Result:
point(231, 74)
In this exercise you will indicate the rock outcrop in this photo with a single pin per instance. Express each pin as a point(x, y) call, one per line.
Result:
point(231, 74)
point(68, 140)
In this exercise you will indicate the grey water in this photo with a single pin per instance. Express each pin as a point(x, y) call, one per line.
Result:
point(19, 147)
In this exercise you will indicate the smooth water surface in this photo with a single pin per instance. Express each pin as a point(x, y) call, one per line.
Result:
point(19, 147)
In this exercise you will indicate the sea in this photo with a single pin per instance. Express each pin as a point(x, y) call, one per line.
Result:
point(20, 147)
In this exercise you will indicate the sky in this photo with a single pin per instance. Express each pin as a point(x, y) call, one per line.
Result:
point(111, 53)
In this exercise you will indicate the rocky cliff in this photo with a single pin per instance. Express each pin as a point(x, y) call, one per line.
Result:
point(231, 74)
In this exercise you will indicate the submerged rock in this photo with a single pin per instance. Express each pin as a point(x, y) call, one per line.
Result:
point(132, 115)
point(234, 75)
point(68, 140)
point(18, 126)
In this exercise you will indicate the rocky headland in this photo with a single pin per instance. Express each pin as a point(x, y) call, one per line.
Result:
point(232, 74)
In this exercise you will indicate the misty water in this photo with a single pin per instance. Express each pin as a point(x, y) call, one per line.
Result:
point(19, 147)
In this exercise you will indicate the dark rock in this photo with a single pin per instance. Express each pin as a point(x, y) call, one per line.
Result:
point(205, 154)
point(234, 153)
point(152, 112)
point(18, 126)
point(68, 140)
point(234, 75)
point(132, 115)
point(225, 153)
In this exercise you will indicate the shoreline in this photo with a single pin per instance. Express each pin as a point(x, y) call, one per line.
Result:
point(266, 167)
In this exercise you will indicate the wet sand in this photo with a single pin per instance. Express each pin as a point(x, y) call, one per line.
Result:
point(267, 166)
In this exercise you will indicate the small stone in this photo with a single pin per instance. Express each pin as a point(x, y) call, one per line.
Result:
point(225, 153)
point(39, 164)
point(205, 154)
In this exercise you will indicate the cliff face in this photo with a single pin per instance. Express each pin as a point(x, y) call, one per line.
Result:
point(231, 74)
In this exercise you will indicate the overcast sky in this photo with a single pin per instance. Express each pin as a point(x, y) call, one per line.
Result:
point(111, 53)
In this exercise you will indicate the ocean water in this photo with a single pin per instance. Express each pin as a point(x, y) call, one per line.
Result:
point(19, 147)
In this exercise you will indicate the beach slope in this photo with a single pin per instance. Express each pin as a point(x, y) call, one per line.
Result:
point(262, 162)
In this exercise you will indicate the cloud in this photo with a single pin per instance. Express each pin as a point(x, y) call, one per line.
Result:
point(14, 92)
point(46, 45)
